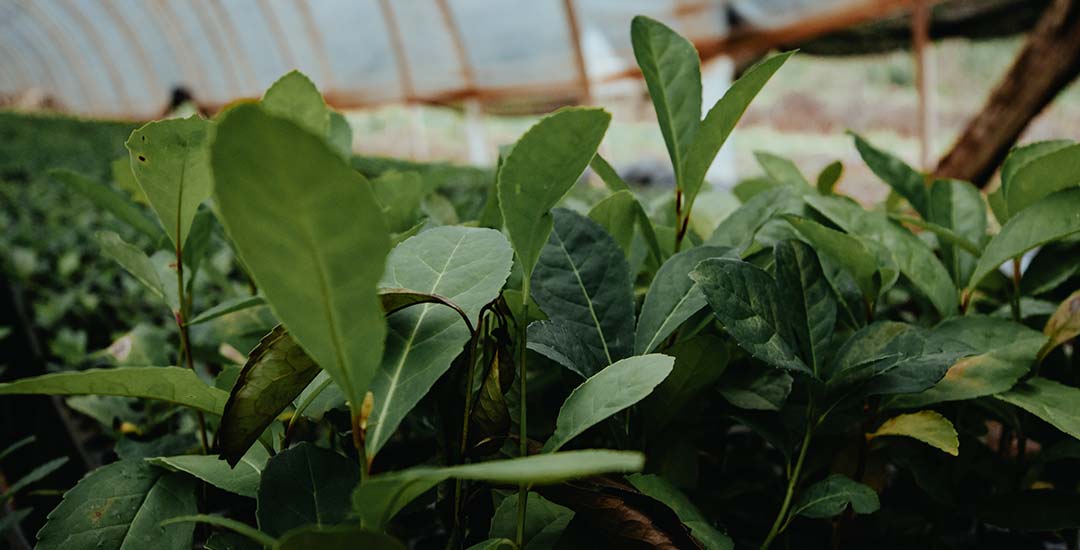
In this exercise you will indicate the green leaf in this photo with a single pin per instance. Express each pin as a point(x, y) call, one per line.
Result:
point(720, 121)
point(286, 199)
point(276, 371)
point(583, 282)
point(170, 384)
point(910, 254)
point(1052, 265)
point(399, 195)
point(826, 180)
point(35, 475)
point(562, 343)
point(608, 174)
point(122, 506)
point(170, 162)
point(700, 526)
point(305, 485)
point(106, 198)
point(239, 303)
point(672, 297)
point(699, 362)
point(295, 97)
point(544, 522)
point(672, 71)
point(746, 301)
point(1051, 218)
point(618, 216)
point(490, 415)
point(1001, 352)
point(958, 206)
point(810, 302)
point(737, 231)
point(250, 533)
point(847, 251)
point(16, 446)
point(607, 392)
point(902, 178)
point(137, 263)
point(544, 164)
point(340, 135)
point(1051, 401)
point(337, 537)
point(1063, 325)
point(926, 426)
point(780, 169)
point(888, 357)
point(382, 496)
point(495, 544)
point(832, 495)
point(761, 389)
point(241, 478)
point(468, 267)
point(1048, 173)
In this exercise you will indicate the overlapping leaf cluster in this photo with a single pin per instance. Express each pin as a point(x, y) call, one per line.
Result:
point(505, 382)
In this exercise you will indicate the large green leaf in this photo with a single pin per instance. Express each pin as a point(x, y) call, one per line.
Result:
point(1063, 325)
point(672, 297)
point(106, 198)
point(888, 357)
point(382, 496)
point(809, 300)
point(1050, 218)
point(700, 525)
point(1051, 401)
point(699, 362)
point(305, 485)
point(847, 251)
point(761, 389)
point(122, 506)
point(620, 213)
point(1057, 169)
point(336, 537)
point(958, 206)
point(926, 426)
point(607, 392)
point(468, 267)
point(301, 218)
point(780, 169)
point(544, 164)
point(241, 478)
point(295, 97)
point(171, 384)
point(544, 522)
point(720, 121)
point(170, 162)
point(399, 195)
point(1001, 351)
point(561, 343)
point(832, 495)
point(746, 301)
point(672, 71)
point(902, 178)
point(582, 281)
point(276, 371)
point(912, 256)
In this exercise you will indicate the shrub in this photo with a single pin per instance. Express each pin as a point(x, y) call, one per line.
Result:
point(809, 369)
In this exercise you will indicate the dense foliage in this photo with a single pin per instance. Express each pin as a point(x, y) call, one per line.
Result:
point(513, 368)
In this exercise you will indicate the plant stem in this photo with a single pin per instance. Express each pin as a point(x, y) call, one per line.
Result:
point(467, 414)
point(1016, 290)
point(185, 341)
point(358, 441)
point(781, 517)
point(523, 440)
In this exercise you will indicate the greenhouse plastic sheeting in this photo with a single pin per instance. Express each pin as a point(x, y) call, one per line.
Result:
point(124, 57)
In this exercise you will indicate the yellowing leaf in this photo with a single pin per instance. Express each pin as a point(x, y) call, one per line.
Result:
point(1063, 325)
point(926, 426)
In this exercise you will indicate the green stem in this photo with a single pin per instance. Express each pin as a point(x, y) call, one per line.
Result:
point(185, 341)
point(523, 440)
point(458, 484)
point(1017, 317)
point(781, 517)
point(358, 441)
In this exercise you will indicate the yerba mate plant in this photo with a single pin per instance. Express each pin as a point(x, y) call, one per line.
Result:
point(803, 371)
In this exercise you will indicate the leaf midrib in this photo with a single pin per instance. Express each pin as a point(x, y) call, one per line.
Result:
point(396, 373)
point(584, 292)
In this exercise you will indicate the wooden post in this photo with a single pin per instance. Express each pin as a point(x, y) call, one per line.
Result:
point(1049, 61)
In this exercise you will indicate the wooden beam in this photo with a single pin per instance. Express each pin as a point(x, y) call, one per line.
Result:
point(1048, 62)
point(579, 55)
